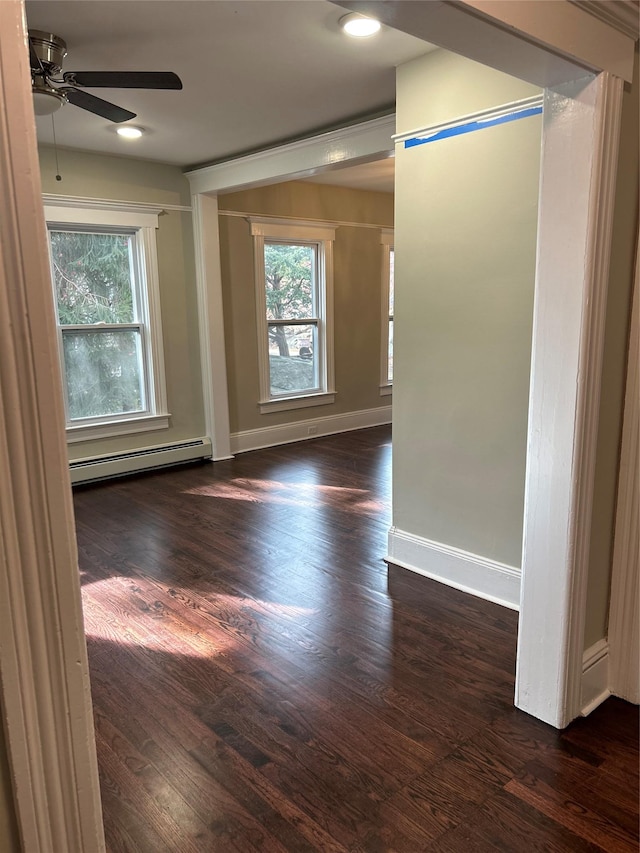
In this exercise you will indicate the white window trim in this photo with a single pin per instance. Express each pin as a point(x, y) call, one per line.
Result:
point(144, 221)
point(386, 240)
point(309, 232)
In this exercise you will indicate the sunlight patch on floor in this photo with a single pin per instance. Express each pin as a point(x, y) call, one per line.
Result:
point(137, 612)
point(291, 494)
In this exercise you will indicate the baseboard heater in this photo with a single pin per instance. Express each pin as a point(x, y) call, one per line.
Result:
point(157, 456)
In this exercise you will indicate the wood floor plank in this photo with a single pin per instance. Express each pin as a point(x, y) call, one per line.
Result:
point(261, 681)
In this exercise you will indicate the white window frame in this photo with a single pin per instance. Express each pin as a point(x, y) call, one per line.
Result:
point(386, 240)
point(141, 223)
point(296, 231)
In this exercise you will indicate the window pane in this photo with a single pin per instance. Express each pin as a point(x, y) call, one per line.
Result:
point(92, 277)
point(104, 373)
point(293, 364)
point(391, 271)
point(390, 375)
point(289, 271)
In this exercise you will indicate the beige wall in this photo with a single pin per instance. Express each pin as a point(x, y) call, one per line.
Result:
point(357, 282)
point(625, 234)
point(466, 210)
point(88, 175)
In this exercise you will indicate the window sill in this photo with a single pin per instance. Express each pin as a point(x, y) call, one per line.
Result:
point(125, 426)
point(300, 402)
point(386, 390)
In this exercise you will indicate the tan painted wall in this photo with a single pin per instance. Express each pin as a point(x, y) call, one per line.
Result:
point(99, 176)
point(625, 234)
point(466, 210)
point(357, 282)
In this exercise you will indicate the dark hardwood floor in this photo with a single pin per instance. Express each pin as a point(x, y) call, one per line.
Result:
point(258, 685)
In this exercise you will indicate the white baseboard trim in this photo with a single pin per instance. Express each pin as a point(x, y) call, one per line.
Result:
point(471, 573)
point(157, 456)
point(255, 439)
point(595, 677)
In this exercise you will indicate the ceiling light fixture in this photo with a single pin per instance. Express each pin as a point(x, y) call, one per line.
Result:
point(129, 131)
point(359, 26)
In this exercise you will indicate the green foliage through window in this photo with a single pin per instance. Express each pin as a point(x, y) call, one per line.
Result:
point(104, 375)
point(92, 277)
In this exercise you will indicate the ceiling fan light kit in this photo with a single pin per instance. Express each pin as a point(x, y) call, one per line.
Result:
point(47, 52)
point(46, 99)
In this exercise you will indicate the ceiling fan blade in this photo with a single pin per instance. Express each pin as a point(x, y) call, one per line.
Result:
point(124, 79)
point(96, 105)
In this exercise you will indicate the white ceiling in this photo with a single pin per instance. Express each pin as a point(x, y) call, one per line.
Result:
point(255, 73)
point(378, 176)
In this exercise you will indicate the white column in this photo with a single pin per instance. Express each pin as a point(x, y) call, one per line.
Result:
point(578, 168)
point(211, 323)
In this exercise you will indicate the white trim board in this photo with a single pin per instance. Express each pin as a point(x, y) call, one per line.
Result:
point(454, 567)
point(256, 439)
point(595, 677)
point(470, 118)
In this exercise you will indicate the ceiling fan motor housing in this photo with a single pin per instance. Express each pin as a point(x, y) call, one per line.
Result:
point(50, 50)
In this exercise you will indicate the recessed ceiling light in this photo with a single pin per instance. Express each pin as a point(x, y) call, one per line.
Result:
point(129, 131)
point(359, 26)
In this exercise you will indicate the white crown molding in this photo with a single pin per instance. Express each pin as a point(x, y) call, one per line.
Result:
point(472, 573)
point(622, 15)
point(332, 223)
point(481, 115)
point(110, 204)
point(368, 140)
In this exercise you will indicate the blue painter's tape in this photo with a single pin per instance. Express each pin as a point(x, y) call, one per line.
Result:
point(472, 126)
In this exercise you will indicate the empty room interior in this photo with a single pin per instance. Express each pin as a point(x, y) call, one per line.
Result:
point(320, 422)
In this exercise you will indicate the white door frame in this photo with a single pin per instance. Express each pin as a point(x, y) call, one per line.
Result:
point(624, 611)
point(43, 665)
point(44, 675)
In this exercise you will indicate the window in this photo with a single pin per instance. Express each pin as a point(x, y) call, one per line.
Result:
point(105, 284)
point(386, 349)
point(294, 299)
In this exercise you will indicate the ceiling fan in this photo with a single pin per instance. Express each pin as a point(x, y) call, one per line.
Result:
point(47, 52)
